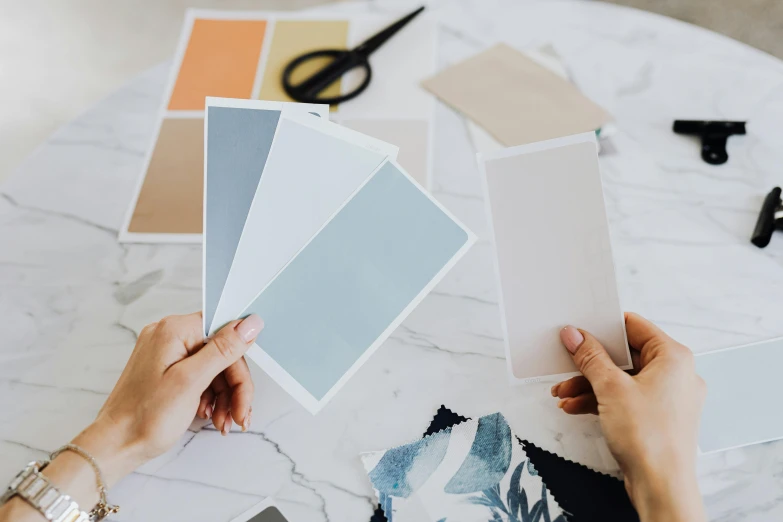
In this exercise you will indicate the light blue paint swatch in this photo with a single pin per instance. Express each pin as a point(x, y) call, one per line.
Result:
point(347, 286)
point(742, 405)
point(238, 143)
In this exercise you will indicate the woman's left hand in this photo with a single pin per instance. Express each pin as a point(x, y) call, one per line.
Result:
point(172, 375)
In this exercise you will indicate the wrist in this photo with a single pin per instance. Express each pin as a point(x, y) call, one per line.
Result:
point(670, 494)
point(106, 442)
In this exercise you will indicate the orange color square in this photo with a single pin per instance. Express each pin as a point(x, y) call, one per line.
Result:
point(221, 60)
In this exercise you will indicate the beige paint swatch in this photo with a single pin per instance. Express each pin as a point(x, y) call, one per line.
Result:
point(515, 99)
point(170, 198)
point(292, 38)
point(411, 136)
point(553, 254)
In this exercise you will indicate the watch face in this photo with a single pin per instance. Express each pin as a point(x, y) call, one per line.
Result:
point(270, 514)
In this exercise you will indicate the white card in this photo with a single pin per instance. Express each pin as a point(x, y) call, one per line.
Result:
point(742, 405)
point(313, 167)
point(554, 262)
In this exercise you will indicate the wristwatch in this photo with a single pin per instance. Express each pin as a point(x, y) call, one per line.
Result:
point(36, 490)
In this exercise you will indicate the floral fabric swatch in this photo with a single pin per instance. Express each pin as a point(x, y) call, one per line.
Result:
point(472, 472)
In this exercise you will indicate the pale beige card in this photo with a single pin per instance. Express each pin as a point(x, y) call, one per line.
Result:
point(553, 254)
point(515, 99)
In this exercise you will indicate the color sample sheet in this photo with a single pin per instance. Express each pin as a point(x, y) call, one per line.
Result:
point(554, 261)
point(353, 283)
point(742, 405)
point(313, 167)
point(242, 55)
point(238, 136)
point(502, 81)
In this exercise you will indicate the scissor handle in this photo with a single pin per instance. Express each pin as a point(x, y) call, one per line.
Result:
point(308, 90)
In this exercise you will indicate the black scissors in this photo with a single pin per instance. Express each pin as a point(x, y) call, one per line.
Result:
point(342, 61)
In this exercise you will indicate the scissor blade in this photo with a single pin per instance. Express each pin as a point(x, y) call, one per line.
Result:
point(379, 39)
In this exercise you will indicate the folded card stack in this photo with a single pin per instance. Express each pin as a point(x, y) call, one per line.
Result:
point(317, 229)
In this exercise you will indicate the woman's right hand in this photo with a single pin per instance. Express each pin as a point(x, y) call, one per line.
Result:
point(650, 419)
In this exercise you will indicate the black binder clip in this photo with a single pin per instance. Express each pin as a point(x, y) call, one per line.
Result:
point(713, 134)
point(770, 219)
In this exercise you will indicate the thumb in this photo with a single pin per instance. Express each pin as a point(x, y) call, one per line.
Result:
point(591, 358)
point(224, 349)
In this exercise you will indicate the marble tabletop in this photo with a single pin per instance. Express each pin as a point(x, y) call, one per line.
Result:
point(72, 299)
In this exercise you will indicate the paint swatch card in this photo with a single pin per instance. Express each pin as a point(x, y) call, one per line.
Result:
point(554, 262)
point(742, 405)
point(352, 283)
point(312, 168)
point(502, 81)
point(238, 135)
point(242, 55)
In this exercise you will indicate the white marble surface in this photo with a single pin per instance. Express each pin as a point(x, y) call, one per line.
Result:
point(72, 298)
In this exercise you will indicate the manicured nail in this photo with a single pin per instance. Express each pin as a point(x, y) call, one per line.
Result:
point(249, 328)
point(554, 389)
point(208, 411)
point(561, 403)
point(571, 338)
point(227, 425)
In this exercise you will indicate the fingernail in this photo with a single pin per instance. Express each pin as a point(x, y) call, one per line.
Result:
point(554, 389)
point(249, 328)
point(208, 411)
point(227, 426)
point(571, 338)
point(561, 403)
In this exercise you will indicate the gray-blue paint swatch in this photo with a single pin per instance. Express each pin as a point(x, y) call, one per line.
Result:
point(238, 143)
point(742, 405)
point(340, 293)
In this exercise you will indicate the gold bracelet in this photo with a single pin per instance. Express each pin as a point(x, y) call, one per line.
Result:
point(102, 509)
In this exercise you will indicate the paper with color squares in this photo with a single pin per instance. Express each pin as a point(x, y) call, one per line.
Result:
point(371, 263)
point(475, 471)
point(742, 406)
point(233, 54)
point(554, 265)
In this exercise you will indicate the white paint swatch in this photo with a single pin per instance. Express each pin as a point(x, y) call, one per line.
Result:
point(553, 255)
point(742, 405)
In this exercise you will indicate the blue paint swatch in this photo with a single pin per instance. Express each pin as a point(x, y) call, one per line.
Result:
point(345, 288)
point(238, 143)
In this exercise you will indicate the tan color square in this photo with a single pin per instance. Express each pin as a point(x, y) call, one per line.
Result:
point(170, 201)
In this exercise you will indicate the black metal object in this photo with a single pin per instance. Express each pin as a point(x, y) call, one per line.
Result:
point(342, 61)
point(713, 134)
point(770, 219)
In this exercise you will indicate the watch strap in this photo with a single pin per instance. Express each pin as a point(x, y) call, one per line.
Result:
point(36, 489)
